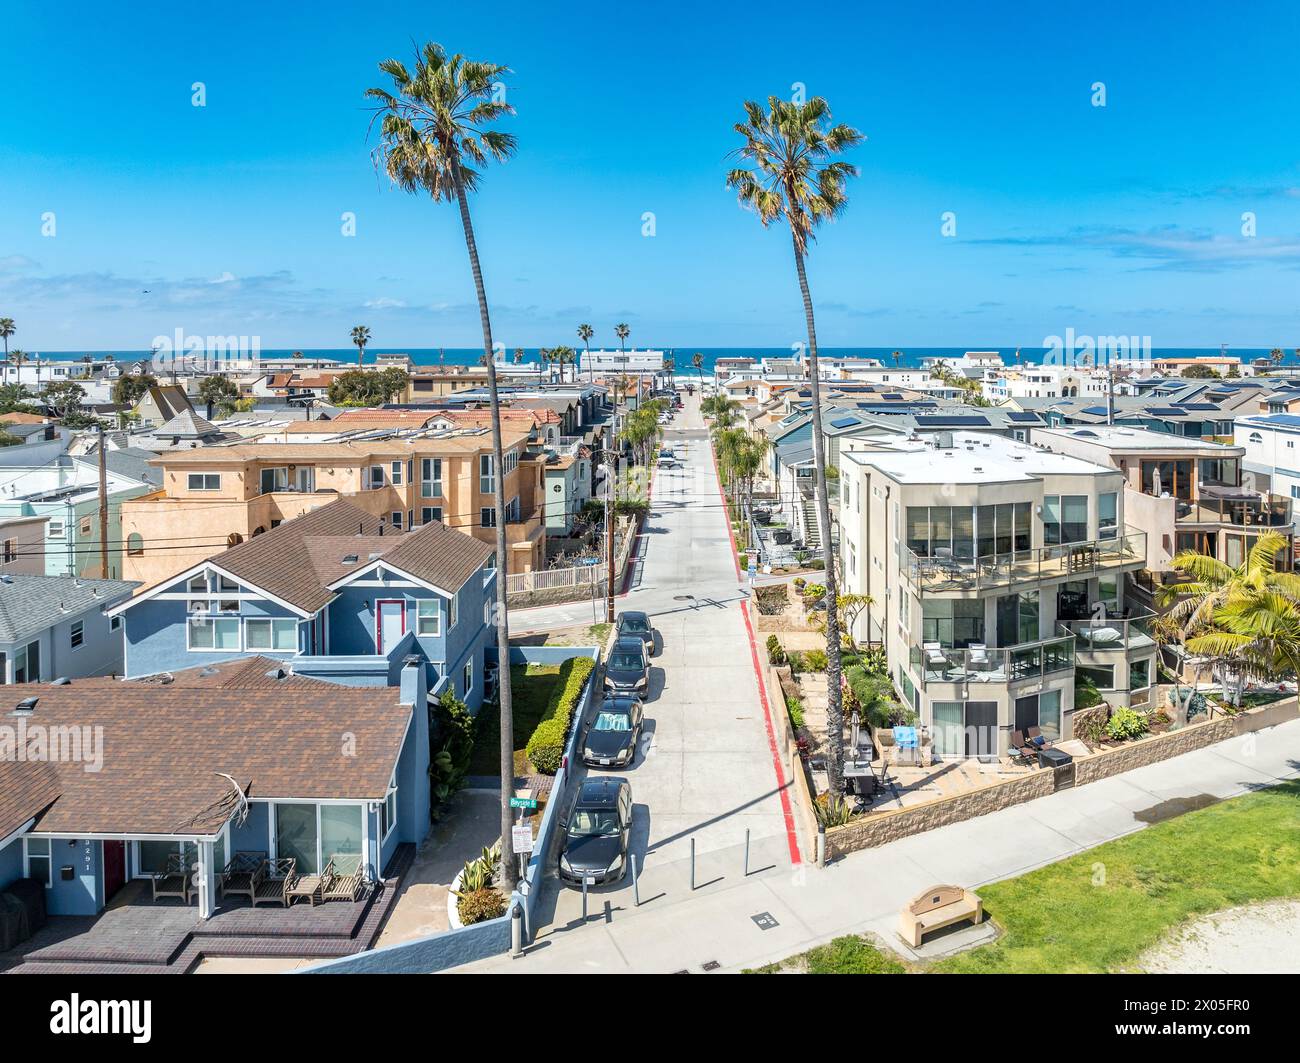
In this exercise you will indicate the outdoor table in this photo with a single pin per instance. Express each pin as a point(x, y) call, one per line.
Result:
point(1053, 758)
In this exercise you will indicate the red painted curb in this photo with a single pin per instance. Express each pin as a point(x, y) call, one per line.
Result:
point(791, 834)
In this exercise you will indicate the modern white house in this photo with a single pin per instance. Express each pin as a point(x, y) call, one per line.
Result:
point(996, 571)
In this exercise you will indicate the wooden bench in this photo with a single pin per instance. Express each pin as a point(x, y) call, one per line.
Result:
point(937, 907)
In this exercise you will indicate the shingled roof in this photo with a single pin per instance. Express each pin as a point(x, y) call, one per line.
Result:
point(300, 560)
point(166, 748)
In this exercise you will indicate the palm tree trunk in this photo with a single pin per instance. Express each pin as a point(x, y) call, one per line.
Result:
point(834, 700)
point(509, 875)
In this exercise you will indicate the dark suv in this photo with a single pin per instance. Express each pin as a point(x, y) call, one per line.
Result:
point(596, 834)
point(627, 671)
point(635, 624)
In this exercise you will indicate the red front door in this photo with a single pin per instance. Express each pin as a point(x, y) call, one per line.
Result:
point(114, 867)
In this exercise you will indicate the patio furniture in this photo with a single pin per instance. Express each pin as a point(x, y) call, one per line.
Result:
point(977, 654)
point(937, 907)
point(274, 879)
point(1054, 758)
point(310, 887)
point(343, 887)
point(236, 878)
point(934, 656)
point(1018, 747)
point(1036, 738)
point(173, 880)
point(1102, 636)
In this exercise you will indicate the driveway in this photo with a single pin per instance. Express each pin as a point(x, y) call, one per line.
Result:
point(705, 770)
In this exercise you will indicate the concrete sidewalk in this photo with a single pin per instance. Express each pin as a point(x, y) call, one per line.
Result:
point(676, 929)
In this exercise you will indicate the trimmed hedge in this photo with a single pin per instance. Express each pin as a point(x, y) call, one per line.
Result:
point(545, 747)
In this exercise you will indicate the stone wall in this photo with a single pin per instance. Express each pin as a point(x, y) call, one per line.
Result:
point(871, 830)
point(801, 798)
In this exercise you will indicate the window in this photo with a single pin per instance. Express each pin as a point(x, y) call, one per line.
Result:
point(1065, 519)
point(39, 862)
point(954, 622)
point(213, 634)
point(1255, 437)
point(396, 516)
point(488, 517)
point(1139, 674)
point(430, 477)
point(27, 663)
point(205, 481)
point(271, 634)
point(455, 612)
point(469, 676)
point(376, 477)
point(56, 529)
point(388, 810)
point(276, 479)
point(134, 545)
point(1108, 515)
point(487, 481)
point(397, 473)
point(11, 549)
point(114, 623)
point(197, 585)
point(428, 617)
point(84, 525)
point(77, 634)
point(511, 461)
point(429, 514)
point(1102, 676)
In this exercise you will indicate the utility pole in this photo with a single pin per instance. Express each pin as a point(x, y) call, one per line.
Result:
point(612, 477)
point(1110, 392)
point(103, 507)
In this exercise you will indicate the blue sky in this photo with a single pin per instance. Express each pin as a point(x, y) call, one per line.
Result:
point(1117, 220)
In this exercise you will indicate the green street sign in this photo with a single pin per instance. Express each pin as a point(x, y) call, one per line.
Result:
point(523, 802)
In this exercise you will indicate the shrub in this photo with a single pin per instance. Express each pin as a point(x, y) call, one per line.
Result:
point(453, 736)
point(831, 811)
point(814, 591)
point(1086, 694)
point(815, 660)
point(799, 583)
point(795, 659)
point(1125, 724)
point(795, 708)
point(775, 651)
point(771, 600)
point(1196, 706)
point(817, 563)
point(743, 561)
point(479, 906)
point(545, 748)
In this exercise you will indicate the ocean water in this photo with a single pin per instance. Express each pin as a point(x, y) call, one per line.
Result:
point(911, 356)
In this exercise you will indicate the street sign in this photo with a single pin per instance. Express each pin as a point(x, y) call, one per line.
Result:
point(523, 802)
point(521, 838)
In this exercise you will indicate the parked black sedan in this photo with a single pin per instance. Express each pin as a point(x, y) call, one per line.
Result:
point(636, 624)
point(612, 737)
point(596, 833)
point(628, 669)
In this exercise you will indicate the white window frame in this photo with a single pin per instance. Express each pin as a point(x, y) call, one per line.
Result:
point(454, 613)
point(388, 810)
point(423, 606)
point(487, 481)
point(207, 481)
point(467, 675)
point(57, 528)
point(279, 479)
point(77, 634)
point(488, 517)
point(191, 624)
point(47, 856)
point(396, 473)
point(429, 514)
point(272, 624)
point(430, 477)
point(371, 484)
point(395, 518)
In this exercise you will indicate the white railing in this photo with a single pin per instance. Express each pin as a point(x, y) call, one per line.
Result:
point(579, 577)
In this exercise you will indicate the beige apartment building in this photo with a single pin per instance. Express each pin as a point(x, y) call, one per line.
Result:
point(219, 496)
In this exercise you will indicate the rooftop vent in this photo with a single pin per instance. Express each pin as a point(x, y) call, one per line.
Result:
point(62, 681)
point(26, 707)
point(351, 559)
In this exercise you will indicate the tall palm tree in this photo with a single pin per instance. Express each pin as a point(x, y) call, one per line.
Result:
point(898, 357)
point(433, 133)
point(18, 359)
point(360, 336)
point(623, 332)
point(1275, 356)
point(585, 332)
point(519, 356)
point(697, 360)
point(7, 329)
point(564, 356)
point(790, 172)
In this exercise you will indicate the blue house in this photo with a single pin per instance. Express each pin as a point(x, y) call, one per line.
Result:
point(102, 780)
point(332, 597)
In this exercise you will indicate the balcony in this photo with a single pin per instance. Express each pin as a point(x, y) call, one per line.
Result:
point(982, 664)
point(1081, 560)
point(1108, 634)
point(1226, 504)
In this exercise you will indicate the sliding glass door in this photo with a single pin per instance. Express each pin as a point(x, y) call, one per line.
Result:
point(296, 835)
point(315, 834)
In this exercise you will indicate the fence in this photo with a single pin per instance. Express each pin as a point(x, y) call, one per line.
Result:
point(577, 583)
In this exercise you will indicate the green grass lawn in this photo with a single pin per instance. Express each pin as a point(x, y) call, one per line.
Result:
point(846, 955)
point(1100, 910)
point(531, 686)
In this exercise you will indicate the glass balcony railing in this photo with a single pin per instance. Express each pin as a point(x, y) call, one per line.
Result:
point(1082, 560)
point(1247, 510)
point(983, 664)
point(1110, 633)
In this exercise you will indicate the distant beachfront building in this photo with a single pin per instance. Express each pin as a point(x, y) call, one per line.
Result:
point(633, 361)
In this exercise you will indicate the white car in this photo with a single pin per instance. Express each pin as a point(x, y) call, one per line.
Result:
point(667, 461)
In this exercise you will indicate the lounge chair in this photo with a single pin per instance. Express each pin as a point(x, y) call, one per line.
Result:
point(978, 656)
point(274, 880)
point(934, 657)
point(1018, 747)
point(310, 887)
point(1036, 738)
point(236, 878)
point(343, 887)
point(173, 880)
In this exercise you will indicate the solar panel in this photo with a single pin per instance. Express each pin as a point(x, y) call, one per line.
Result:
point(941, 421)
point(1095, 411)
point(1023, 418)
point(1166, 411)
point(1198, 406)
point(844, 422)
